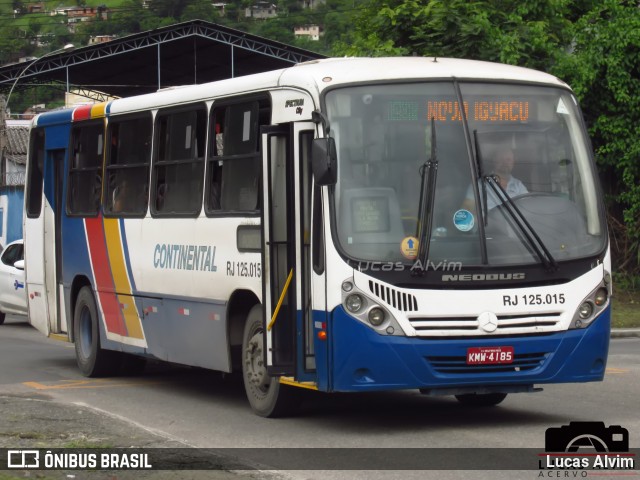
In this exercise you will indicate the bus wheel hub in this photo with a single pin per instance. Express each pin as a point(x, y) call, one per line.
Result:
point(256, 371)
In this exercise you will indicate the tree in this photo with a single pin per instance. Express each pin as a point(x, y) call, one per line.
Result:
point(130, 17)
point(604, 71)
point(199, 11)
point(169, 8)
point(275, 29)
point(10, 45)
point(509, 31)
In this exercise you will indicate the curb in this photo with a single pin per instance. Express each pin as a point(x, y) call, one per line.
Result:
point(625, 333)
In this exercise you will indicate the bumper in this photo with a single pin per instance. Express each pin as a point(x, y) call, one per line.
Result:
point(366, 361)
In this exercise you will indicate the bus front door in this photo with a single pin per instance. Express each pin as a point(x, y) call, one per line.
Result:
point(54, 175)
point(287, 272)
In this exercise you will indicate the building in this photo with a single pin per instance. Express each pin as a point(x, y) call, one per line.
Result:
point(220, 8)
point(78, 12)
point(101, 39)
point(13, 159)
point(261, 11)
point(312, 3)
point(75, 98)
point(312, 32)
point(36, 7)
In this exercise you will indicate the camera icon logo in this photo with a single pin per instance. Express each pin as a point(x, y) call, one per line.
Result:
point(587, 436)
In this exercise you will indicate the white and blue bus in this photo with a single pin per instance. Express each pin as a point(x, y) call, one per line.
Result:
point(343, 225)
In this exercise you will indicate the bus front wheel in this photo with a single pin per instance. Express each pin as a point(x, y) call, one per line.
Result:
point(267, 396)
point(481, 399)
point(92, 360)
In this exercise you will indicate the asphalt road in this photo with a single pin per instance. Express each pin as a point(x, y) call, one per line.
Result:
point(205, 409)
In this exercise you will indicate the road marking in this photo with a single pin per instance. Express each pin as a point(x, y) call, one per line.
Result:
point(616, 370)
point(99, 383)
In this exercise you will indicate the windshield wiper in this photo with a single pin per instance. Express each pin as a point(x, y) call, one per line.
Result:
point(429, 174)
point(485, 212)
point(523, 224)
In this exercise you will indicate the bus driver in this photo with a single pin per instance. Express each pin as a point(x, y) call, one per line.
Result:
point(503, 162)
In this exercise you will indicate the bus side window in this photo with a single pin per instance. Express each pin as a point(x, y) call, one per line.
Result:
point(85, 172)
point(179, 161)
point(233, 173)
point(127, 188)
point(35, 184)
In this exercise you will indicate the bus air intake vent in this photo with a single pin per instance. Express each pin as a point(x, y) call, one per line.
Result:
point(523, 362)
point(402, 301)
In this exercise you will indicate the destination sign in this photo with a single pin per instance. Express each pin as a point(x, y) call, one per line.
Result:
point(479, 111)
point(496, 110)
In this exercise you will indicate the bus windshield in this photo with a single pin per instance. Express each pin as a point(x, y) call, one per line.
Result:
point(525, 151)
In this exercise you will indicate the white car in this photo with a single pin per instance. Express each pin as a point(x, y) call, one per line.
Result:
point(13, 295)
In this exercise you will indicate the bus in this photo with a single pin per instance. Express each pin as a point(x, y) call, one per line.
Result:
point(342, 225)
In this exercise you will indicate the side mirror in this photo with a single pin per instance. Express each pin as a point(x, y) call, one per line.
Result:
point(324, 162)
point(19, 264)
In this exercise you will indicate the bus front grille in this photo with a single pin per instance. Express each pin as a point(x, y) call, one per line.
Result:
point(470, 326)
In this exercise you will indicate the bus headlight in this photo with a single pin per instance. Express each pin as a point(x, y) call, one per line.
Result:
point(376, 316)
point(368, 310)
point(347, 286)
point(354, 303)
point(601, 297)
point(585, 310)
point(592, 305)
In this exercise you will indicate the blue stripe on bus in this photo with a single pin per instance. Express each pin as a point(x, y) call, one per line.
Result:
point(52, 118)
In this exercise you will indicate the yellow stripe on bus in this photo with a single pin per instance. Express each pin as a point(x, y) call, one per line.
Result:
point(98, 110)
point(121, 278)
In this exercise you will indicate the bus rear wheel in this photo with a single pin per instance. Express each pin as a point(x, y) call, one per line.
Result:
point(267, 396)
point(92, 360)
point(481, 399)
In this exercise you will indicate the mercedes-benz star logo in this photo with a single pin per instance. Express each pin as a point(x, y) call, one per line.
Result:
point(488, 321)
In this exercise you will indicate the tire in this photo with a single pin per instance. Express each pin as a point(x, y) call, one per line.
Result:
point(481, 399)
point(266, 395)
point(2, 318)
point(92, 360)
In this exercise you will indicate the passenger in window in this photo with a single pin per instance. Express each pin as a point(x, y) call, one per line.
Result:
point(502, 163)
point(122, 198)
point(161, 196)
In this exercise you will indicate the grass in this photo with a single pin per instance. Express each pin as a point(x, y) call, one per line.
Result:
point(82, 443)
point(625, 308)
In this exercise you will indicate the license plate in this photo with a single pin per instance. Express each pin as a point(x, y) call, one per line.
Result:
point(489, 355)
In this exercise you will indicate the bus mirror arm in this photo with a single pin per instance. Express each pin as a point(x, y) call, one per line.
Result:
point(318, 117)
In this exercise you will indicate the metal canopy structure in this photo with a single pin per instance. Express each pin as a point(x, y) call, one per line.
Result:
point(182, 54)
